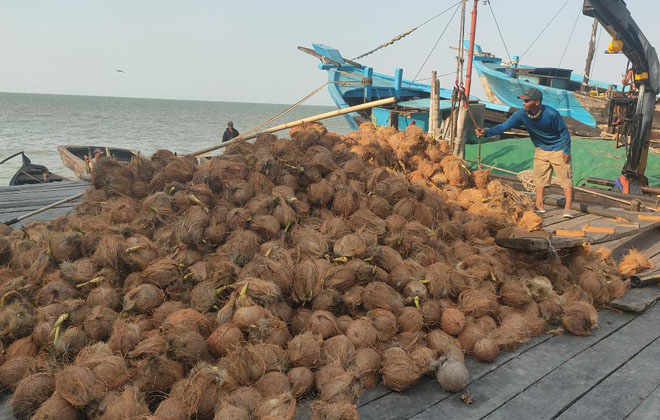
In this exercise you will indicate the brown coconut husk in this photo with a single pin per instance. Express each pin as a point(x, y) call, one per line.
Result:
point(432, 313)
point(70, 342)
point(307, 280)
point(99, 323)
point(76, 385)
point(22, 347)
point(455, 170)
point(327, 299)
point(512, 332)
point(530, 221)
point(245, 364)
point(104, 296)
point(110, 251)
point(471, 333)
point(188, 320)
point(410, 319)
point(579, 318)
point(16, 320)
point(171, 408)
point(481, 178)
point(633, 262)
point(56, 407)
point(272, 384)
point(161, 313)
point(362, 333)
point(338, 349)
point(140, 252)
point(322, 323)
point(281, 407)
point(367, 365)
point(227, 411)
point(322, 410)
point(274, 357)
point(223, 339)
point(452, 375)
point(245, 397)
point(188, 348)
point(305, 350)
point(486, 322)
point(617, 288)
point(384, 322)
point(247, 317)
point(242, 246)
point(267, 226)
point(129, 404)
point(12, 371)
point(514, 294)
point(399, 370)
point(340, 388)
point(477, 303)
point(540, 288)
point(143, 299)
point(157, 374)
point(65, 246)
point(30, 393)
point(301, 381)
point(485, 350)
point(203, 296)
point(161, 272)
point(453, 321)
point(380, 295)
point(591, 282)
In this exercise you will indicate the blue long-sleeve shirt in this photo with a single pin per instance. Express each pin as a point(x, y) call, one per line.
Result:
point(548, 132)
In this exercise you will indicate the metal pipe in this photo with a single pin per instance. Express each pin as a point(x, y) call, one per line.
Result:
point(610, 183)
point(643, 281)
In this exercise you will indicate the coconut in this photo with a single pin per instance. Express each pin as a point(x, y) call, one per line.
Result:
point(188, 320)
point(486, 323)
point(362, 333)
point(143, 299)
point(188, 348)
point(274, 357)
point(512, 332)
point(455, 170)
point(110, 373)
point(453, 321)
point(281, 407)
point(342, 387)
point(227, 411)
point(139, 252)
point(238, 218)
point(110, 251)
point(128, 404)
point(432, 313)
point(301, 381)
point(156, 374)
point(309, 243)
point(579, 318)
point(104, 296)
point(76, 385)
point(203, 296)
point(327, 300)
point(161, 272)
point(443, 344)
point(322, 410)
point(540, 288)
point(70, 342)
point(272, 384)
point(12, 371)
point(307, 280)
point(223, 339)
point(424, 358)
point(248, 316)
point(245, 364)
point(165, 310)
point(242, 246)
point(56, 407)
point(78, 271)
point(322, 323)
point(338, 349)
point(384, 322)
point(514, 294)
point(591, 283)
point(30, 393)
point(616, 288)
point(452, 375)
point(633, 262)
point(399, 370)
point(55, 291)
point(16, 320)
point(171, 408)
point(476, 303)
point(485, 350)
point(471, 333)
point(351, 246)
point(410, 319)
point(245, 397)
point(260, 291)
point(380, 295)
point(366, 363)
point(22, 347)
point(305, 350)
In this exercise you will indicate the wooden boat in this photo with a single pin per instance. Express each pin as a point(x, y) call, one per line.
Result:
point(31, 173)
point(73, 157)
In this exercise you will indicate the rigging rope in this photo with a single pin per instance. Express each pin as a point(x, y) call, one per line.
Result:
point(546, 27)
point(436, 42)
point(405, 34)
point(570, 36)
point(497, 25)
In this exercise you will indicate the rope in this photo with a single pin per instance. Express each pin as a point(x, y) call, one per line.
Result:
point(546, 27)
point(436, 43)
point(405, 34)
point(570, 36)
point(497, 25)
point(439, 76)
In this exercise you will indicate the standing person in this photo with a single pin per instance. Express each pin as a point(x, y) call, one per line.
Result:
point(98, 154)
point(230, 132)
point(552, 144)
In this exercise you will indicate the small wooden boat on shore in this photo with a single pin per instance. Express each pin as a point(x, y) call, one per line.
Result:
point(73, 157)
point(31, 173)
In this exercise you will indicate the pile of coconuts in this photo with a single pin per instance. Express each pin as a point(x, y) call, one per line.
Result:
point(284, 269)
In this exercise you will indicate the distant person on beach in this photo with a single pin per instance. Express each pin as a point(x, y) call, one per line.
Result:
point(230, 132)
point(98, 154)
point(552, 143)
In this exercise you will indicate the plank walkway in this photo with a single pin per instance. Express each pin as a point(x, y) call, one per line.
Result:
point(612, 374)
point(18, 200)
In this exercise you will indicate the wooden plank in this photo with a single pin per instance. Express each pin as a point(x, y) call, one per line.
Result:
point(579, 374)
point(619, 394)
point(576, 222)
point(637, 299)
point(427, 391)
point(649, 408)
point(571, 233)
point(553, 220)
point(510, 379)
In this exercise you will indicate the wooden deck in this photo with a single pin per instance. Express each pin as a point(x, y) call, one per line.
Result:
point(612, 374)
point(18, 200)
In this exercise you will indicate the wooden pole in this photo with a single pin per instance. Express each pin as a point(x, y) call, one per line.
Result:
point(42, 209)
point(313, 118)
point(473, 29)
point(590, 55)
point(433, 109)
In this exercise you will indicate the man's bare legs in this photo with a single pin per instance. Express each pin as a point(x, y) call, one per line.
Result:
point(539, 197)
point(568, 195)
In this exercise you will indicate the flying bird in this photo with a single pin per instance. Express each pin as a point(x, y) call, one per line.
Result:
point(120, 71)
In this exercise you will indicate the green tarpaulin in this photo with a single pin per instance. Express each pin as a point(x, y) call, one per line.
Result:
point(591, 158)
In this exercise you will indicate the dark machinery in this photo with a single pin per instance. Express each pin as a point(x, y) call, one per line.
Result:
point(628, 38)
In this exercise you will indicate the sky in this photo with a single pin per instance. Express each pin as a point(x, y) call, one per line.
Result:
point(245, 51)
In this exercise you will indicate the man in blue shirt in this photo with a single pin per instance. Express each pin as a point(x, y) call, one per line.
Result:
point(552, 144)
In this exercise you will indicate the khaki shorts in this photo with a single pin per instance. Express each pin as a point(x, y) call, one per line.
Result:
point(545, 162)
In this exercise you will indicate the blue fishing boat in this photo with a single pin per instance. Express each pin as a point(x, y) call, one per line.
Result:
point(562, 89)
point(351, 83)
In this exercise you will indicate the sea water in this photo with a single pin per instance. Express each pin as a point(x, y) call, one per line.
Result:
point(36, 123)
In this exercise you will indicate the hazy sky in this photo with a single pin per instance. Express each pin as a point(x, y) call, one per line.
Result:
point(246, 50)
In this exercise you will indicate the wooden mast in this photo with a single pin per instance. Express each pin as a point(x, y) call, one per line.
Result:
point(590, 55)
point(433, 108)
point(453, 120)
point(459, 147)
